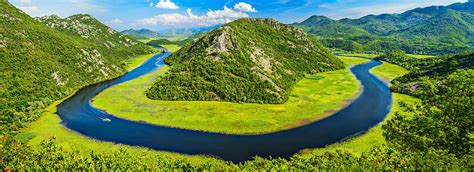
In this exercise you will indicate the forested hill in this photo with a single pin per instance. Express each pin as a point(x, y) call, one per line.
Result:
point(427, 72)
point(40, 63)
point(248, 60)
point(141, 34)
point(430, 30)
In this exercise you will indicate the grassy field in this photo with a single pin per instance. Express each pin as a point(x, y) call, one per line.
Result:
point(374, 136)
point(135, 62)
point(420, 56)
point(360, 55)
point(49, 126)
point(172, 47)
point(146, 40)
point(388, 71)
point(311, 100)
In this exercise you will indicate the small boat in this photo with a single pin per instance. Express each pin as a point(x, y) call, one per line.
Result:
point(106, 119)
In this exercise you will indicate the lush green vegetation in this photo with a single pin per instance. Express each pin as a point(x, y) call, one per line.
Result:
point(41, 64)
point(248, 60)
point(389, 157)
point(48, 126)
point(171, 47)
point(141, 34)
point(181, 43)
point(425, 71)
point(373, 137)
point(313, 98)
point(159, 42)
point(430, 30)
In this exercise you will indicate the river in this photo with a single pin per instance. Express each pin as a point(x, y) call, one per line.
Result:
point(370, 108)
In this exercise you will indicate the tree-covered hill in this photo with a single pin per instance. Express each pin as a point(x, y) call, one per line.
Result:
point(248, 60)
point(427, 72)
point(430, 30)
point(141, 34)
point(444, 120)
point(40, 63)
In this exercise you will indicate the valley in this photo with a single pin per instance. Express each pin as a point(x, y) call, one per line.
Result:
point(379, 92)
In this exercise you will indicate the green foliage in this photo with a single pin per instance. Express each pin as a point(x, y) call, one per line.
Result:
point(248, 60)
point(425, 70)
point(142, 34)
point(41, 64)
point(400, 58)
point(430, 30)
point(185, 42)
point(160, 42)
point(48, 156)
point(443, 122)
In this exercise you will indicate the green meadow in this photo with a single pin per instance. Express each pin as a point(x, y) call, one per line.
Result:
point(171, 47)
point(313, 98)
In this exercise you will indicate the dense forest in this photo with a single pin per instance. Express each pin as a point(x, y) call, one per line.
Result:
point(44, 62)
point(430, 30)
point(248, 60)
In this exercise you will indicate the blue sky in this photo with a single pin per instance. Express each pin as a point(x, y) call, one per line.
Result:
point(171, 14)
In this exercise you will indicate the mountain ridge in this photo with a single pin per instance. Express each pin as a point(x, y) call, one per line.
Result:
point(428, 30)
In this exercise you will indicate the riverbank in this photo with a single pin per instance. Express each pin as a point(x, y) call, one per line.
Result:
point(374, 136)
point(48, 126)
point(312, 99)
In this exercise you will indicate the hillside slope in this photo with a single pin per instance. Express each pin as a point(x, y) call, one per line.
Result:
point(41, 64)
point(248, 60)
point(141, 34)
point(430, 30)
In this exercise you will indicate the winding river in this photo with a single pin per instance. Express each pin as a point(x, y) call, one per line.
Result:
point(370, 108)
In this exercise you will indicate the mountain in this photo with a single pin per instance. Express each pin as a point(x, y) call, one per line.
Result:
point(43, 62)
point(141, 34)
point(430, 30)
point(248, 60)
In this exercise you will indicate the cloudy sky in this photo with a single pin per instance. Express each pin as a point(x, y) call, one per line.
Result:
point(169, 14)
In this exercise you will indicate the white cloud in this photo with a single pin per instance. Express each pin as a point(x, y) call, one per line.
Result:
point(151, 4)
point(166, 4)
point(115, 21)
point(244, 7)
point(189, 19)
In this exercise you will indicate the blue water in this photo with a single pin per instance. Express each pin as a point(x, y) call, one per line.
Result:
point(370, 108)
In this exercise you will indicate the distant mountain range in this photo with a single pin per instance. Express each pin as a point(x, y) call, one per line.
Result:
point(172, 34)
point(141, 34)
point(430, 30)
